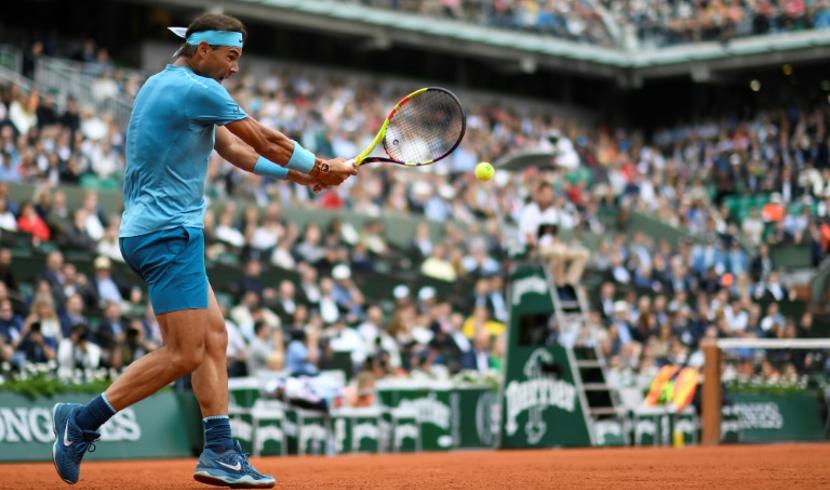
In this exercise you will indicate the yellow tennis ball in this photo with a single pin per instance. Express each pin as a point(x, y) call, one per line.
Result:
point(484, 171)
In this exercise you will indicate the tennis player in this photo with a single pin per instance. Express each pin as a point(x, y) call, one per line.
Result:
point(181, 114)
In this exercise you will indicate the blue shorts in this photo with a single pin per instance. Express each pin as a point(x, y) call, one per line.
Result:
point(172, 263)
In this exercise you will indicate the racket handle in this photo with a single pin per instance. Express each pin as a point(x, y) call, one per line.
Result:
point(352, 162)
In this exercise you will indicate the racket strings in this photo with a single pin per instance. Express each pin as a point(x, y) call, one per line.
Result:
point(425, 128)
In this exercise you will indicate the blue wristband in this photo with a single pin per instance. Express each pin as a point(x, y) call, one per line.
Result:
point(301, 160)
point(267, 167)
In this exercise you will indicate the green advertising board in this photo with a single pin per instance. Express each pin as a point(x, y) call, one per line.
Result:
point(243, 395)
point(267, 423)
point(687, 425)
point(243, 392)
point(153, 428)
point(475, 417)
point(540, 406)
point(650, 426)
point(777, 417)
point(610, 432)
point(662, 426)
point(430, 401)
point(728, 426)
point(400, 431)
point(357, 430)
point(307, 432)
point(242, 427)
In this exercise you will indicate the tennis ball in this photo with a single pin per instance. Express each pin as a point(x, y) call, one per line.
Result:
point(484, 171)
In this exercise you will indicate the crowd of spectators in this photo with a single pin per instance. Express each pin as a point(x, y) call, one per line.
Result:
point(725, 284)
point(40, 143)
point(685, 175)
point(106, 79)
point(582, 21)
point(52, 322)
point(104, 321)
point(661, 22)
point(609, 22)
point(656, 304)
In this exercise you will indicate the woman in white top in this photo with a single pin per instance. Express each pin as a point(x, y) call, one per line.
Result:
point(7, 219)
point(22, 111)
point(43, 311)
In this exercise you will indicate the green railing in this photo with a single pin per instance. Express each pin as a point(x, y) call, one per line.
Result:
point(10, 58)
point(818, 283)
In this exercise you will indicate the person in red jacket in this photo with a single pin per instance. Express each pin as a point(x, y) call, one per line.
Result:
point(30, 222)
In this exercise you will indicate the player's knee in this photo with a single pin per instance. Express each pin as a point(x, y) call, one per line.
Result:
point(218, 344)
point(188, 360)
point(217, 336)
point(217, 326)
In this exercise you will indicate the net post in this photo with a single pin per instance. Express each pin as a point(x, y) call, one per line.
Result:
point(712, 393)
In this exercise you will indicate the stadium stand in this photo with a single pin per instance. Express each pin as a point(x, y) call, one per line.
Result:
point(651, 332)
point(694, 229)
point(654, 23)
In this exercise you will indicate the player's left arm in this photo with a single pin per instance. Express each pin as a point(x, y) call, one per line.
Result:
point(209, 103)
point(241, 155)
point(278, 148)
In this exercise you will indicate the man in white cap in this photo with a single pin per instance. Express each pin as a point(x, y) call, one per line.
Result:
point(105, 286)
point(346, 293)
point(401, 293)
point(622, 322)
point(426, 299)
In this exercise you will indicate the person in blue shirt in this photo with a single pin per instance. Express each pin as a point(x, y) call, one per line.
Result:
point(297, 362)
point(180, 116)
point(10, 327)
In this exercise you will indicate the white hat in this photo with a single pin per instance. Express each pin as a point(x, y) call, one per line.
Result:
point(400, 291)
point(102, 262)
point(421, 188)
point(501, 178)
point(422, 335)
point(349, 234)
point(446, 192)
point(341, 271)
point(696, 360)
point(426, 293)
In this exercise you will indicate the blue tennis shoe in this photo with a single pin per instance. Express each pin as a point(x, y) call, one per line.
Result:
point(230, 469)
point(71, 442)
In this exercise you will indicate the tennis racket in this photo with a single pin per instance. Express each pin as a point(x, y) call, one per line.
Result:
point(422, 128)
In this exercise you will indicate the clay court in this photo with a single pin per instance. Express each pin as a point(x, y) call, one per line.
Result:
point(777, 466)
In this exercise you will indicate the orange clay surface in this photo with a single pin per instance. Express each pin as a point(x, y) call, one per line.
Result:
point(784, 466)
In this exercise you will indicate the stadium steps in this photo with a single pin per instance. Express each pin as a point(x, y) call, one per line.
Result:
point(570, 305)
point(602, 401)
point(598, 398)
point(570, 309)
point(604, 411)
point(596, 387)
point(585, 353)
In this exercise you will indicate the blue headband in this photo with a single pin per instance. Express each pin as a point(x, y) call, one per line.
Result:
point(216, 38)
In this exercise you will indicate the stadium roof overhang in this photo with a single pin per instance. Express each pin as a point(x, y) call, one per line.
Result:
point(383, 28)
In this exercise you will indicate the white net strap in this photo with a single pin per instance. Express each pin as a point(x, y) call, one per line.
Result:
point(774, 343)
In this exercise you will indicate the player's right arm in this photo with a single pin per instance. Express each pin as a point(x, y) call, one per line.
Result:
point(278, 148)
